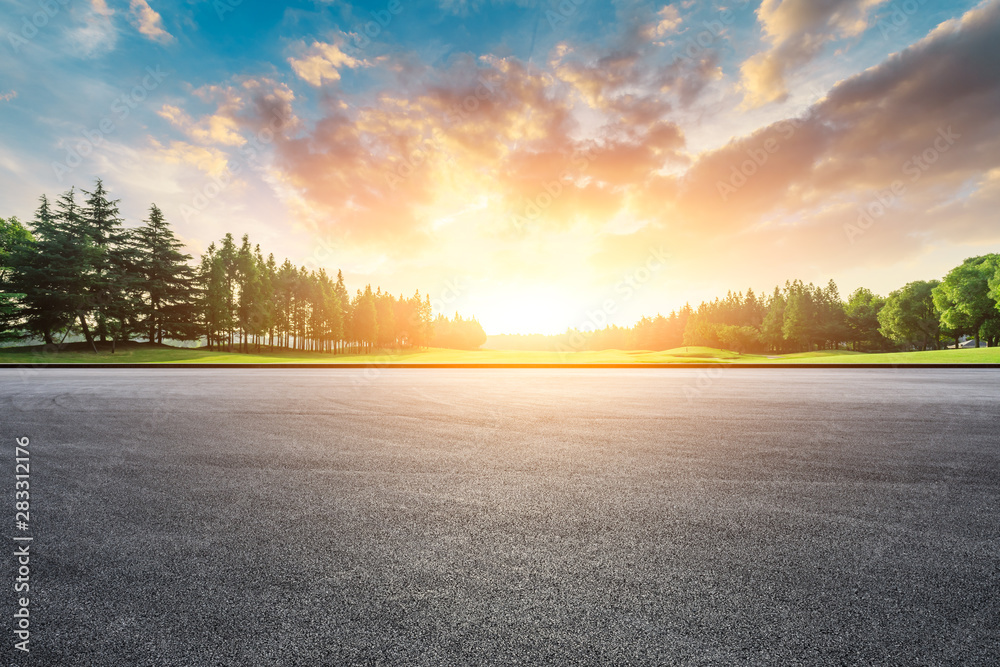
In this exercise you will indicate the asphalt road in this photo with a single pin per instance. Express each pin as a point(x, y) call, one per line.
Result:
point(461, 517)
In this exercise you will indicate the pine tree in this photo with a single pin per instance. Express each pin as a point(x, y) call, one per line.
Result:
point(168, 305)
point(102, 222)
point(249, 305)
point(216, 297)
point(265, 307)
point(772, 329)
point(366, 318)
point(344, 298)
point(73, 275)
point(227, 258)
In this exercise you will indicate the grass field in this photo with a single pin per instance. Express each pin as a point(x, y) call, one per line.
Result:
point(141, 353)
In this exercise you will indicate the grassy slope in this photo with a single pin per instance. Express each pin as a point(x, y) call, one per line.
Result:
point(163, 354)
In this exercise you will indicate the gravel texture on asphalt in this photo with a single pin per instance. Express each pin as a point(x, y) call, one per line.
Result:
point(532, 517)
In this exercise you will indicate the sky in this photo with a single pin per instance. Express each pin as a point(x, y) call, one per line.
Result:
point(540, 165)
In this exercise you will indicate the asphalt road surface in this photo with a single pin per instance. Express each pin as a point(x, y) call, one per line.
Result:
point(532, 517)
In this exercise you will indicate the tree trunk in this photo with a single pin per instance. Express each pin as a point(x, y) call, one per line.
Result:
point(86, 331)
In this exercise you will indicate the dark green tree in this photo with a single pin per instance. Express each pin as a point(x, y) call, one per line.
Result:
point(861, 310)
point(169, 305)
point(964, 296)
point(111, 259)
point(13, 235)
point(909, 317)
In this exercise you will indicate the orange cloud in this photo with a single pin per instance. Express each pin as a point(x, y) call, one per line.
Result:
point(899, 139)
point(252, 104)
point(209, 160)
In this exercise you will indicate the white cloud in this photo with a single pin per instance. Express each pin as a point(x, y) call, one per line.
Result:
point(101, 7)
point(146, 20)
point(96, 35)
point(322, 62)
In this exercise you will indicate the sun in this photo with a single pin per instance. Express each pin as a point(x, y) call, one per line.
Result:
point(527, 310)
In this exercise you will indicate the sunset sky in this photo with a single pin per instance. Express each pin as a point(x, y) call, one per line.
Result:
point(540, 165)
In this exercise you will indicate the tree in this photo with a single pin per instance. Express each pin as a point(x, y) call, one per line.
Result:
point(33, 274)
point(249, 307)
point(457, 334)
point(385, 312)
point(83, 265)
point(772, 329)
point(71, 275)
point(365, 318)
point(102, 222)
point(739, 338)
point(963, 297)
point(701, 332)
point(167, 282)
point(831, 319)
point(799, 327)
point(266, 271)
point(216, 297)
point(910, 317)
point(861, 311)
point(12, 235)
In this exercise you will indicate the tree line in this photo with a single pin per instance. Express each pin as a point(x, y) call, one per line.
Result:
point(77, 269)
point(926, 314)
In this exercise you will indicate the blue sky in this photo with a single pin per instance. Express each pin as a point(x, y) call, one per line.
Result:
point(268, 119)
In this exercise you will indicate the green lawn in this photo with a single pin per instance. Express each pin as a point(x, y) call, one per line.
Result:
point(982, 355)
point(139, 353)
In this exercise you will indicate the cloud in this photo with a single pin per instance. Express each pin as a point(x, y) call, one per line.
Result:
point(146, 20)
point(797, 31)
point(668, 20)
point(390, 173)
point(636, 71)
point(566, 170)
point(95, 34)
point(209, 160)
point(323, 62)
point(6, 97)
point(217, 128)
point(101, 8)
point(247, 105)
point(923, 122)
